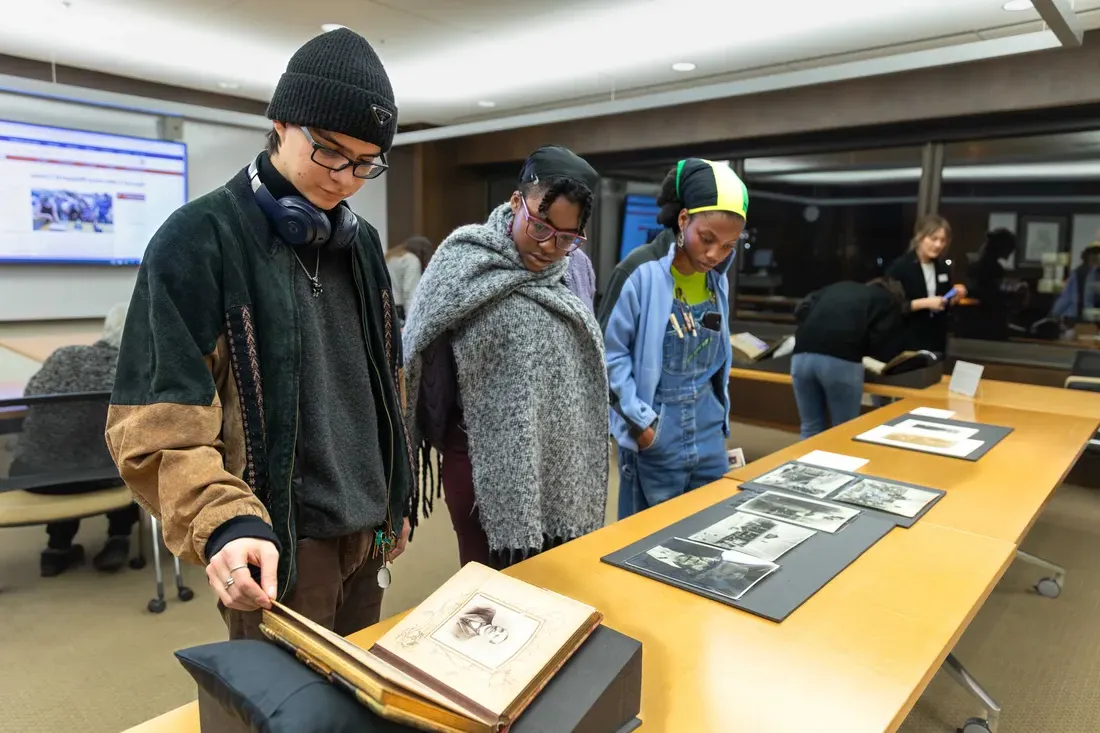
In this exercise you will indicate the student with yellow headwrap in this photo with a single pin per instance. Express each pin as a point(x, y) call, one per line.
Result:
point(665, 320)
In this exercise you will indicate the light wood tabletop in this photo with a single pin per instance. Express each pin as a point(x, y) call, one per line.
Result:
point(855, 657)
point(40, 347)
point(1015, 395)
point(1000, 495)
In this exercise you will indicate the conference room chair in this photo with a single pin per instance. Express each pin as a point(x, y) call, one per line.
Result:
point(1085, 375)
point(101, 490)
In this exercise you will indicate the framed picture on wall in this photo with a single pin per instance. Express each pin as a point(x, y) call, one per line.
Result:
point(1040, 235)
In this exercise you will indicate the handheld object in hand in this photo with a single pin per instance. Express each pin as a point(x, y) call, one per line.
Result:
point(951, 293)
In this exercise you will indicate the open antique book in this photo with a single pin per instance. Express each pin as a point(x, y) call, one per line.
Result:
point(752, 348)
point(468, 659)
point(903, 362)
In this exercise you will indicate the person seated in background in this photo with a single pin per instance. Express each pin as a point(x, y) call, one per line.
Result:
point(69, 436)
point(504, 371)
point(667, 335)
point(1082, 289)
point(406, 262)
point(837, 326)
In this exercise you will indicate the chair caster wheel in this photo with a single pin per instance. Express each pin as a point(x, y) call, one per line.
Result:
point(137, 563)
point(186, 593)
point(975, 725)
point(1049, 588)
point(157, 606)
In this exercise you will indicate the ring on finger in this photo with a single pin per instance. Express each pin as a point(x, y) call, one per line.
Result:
point(229, 582)
point(235, 569)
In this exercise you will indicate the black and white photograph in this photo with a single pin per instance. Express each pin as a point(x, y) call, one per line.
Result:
point(761, 537)
point(800, 510)
point(886, 496)
point(805, 479)
point(728, 573)
point(486, 631)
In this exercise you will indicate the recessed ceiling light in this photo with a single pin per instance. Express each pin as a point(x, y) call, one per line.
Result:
point(1018, 5)
point(486, 104)
point(683, 66)
point(229, 85)
point(329, 27)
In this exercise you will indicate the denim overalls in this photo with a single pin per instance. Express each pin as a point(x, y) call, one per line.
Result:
point(689, 449)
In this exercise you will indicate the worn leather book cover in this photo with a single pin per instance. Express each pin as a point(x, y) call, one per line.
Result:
point(469, 659)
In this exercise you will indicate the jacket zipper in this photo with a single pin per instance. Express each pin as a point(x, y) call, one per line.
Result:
point(294, 448)
point(381, 384)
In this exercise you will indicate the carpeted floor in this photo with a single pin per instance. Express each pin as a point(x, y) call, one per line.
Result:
point(81, 653)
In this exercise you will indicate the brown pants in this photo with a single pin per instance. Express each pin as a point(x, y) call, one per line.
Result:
point(337, 588)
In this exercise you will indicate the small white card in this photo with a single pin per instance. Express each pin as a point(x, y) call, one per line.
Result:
point(737, 458)
point(933, 412)
point(825, 459)
point(965, 378)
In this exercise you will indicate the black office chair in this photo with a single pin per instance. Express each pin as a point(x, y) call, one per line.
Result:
point(77, 464)
point(1085, 375)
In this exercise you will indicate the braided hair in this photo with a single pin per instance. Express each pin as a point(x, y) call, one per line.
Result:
point(670, 204)
point(549, 191)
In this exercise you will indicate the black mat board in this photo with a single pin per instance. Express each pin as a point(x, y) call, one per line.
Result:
point(803, 570)
point(897, 519)
point(990, 435)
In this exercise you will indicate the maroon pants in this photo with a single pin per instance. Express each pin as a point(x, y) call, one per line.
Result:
point(337, 588)
point(457, 475)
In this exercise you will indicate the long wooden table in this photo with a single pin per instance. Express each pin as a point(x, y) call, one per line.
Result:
point(991, 392)
point(855, 657)
point(999, 496)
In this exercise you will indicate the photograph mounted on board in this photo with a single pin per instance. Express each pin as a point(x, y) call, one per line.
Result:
point(805, 479)
point(761, 537)
point(886, 496)
point(487, 632)
point(800, 510)
point(928, 437)
point(727, 573)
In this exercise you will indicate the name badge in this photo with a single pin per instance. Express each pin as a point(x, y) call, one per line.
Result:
point(942, 277)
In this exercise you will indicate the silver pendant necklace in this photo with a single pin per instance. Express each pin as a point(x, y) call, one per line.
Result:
point(314, 283)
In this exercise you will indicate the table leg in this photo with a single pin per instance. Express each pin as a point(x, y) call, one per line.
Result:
point(1050, 587)
point(993, 711)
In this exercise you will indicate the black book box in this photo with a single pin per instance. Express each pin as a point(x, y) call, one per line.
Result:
point(257, 687)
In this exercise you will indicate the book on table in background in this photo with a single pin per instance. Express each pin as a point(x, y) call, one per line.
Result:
point(906, 361)
point(468, 659)
point(752, 348)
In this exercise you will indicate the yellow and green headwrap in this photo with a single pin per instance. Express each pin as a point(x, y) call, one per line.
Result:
point(704, 185)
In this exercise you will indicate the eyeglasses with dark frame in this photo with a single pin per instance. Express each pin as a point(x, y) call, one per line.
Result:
point(334, 160)
point(541, 231)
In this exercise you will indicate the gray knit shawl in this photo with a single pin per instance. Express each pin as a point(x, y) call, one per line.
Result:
point(533, 385)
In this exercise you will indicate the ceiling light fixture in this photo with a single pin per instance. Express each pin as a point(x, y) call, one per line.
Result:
point(683, 66)
point(486, 104)
point(1012, 5)
point(229, 85)
point(329, 27)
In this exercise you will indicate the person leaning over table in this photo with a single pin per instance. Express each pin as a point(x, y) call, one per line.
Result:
point(926, 279)
point(256, 409)
point(666, 330)
point(837, 326)
point(505, 371)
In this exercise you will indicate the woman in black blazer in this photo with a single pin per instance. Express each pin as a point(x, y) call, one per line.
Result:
point(926, 279)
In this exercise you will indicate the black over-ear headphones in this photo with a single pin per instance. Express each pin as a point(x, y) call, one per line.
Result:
point(298, 222)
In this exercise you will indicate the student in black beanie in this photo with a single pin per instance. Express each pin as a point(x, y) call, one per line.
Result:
point(257, 406)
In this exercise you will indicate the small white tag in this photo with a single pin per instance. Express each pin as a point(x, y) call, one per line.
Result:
point(737, 458)
point(942, 277)
point(825, 459)
point(933, 412)
point(965, 378)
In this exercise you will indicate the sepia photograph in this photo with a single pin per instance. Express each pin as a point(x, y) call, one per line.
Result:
point(761, 537)
point(938, 428)
point(805, 479)
point(886, 496)
point(486, 631)
point(724, 572)
point(938, 441)
point(800, 510)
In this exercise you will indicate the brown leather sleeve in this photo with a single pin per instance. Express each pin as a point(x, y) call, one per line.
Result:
point(183, 463)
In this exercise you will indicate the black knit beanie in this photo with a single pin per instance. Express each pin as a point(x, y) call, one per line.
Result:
point(336, 82)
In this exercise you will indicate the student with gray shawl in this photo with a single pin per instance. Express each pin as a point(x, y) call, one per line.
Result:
point(504, 372)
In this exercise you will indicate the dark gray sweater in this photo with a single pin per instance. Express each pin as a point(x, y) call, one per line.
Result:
point(339, 480)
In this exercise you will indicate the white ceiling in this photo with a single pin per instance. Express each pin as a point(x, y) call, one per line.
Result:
point(446, 56)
